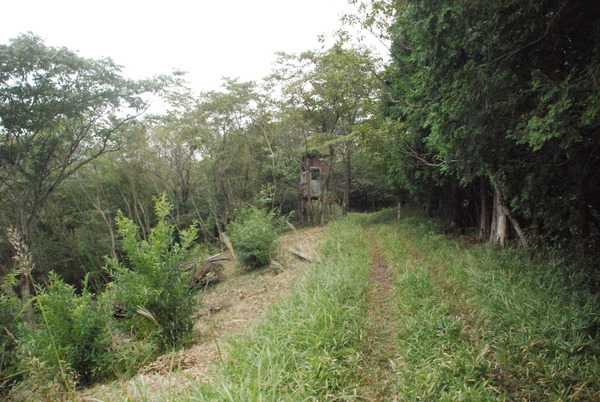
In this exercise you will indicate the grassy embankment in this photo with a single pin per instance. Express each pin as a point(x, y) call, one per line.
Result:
point(460, 322)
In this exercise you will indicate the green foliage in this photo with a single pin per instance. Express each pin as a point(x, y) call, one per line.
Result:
point(151, 290)
point(253, 237)
point(10, 331)
point(501, 90)
point(59, 111)
point(71, 343)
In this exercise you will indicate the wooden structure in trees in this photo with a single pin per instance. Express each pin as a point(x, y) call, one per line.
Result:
point(313, 171)
point(314, 181)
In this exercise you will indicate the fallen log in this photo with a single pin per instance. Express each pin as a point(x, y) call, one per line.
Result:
point(300, 254)
point(216, 258)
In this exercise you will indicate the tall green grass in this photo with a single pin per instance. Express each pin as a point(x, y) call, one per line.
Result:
point(481, 324)
point(308, 346)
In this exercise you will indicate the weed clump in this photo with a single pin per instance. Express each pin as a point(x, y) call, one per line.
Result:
point(72, 338)
point(253, 237)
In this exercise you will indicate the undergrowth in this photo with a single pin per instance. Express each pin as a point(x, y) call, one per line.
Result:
point(61, 339)
point(470, 323)
point(71, 343)
point(150, 287)
point(10, 332)
point(254, 237)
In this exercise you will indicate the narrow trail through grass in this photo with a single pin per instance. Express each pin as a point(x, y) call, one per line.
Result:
point(466, 322)
point(378, 366)
point(309, 346)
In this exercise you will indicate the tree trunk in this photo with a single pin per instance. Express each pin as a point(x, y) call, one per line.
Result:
point(324, 205)
point(494, 222)
point(302, 208)
point(456, 223)
point(516, 226)
point(431, 202)
point(484, 214)
point(109, 225)
point(328, 182)
point(347, 184)
point(325, 198)
point(502, 213)
point(583, 228)
point(499, 225)
point(310, 211)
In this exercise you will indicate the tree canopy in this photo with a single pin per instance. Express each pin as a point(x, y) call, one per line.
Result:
point(504, 92)
point(58, 112)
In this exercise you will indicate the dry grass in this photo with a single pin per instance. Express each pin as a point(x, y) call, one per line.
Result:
point(228, 308)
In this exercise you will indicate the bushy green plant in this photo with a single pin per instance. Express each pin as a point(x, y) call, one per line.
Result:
point(253, 237)
point(9, 334)
point(150, 288)
point(71, 343)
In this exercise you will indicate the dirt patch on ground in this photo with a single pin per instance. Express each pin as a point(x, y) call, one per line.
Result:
point(228, 308)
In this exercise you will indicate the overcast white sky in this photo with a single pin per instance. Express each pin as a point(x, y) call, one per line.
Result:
point(209, 39)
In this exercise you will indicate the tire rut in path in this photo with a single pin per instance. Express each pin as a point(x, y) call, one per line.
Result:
point(378, 369)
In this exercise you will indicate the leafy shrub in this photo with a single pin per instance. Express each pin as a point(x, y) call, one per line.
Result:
point(9, 333)
point(253, 237)
point(151, 290)
point(72, 342)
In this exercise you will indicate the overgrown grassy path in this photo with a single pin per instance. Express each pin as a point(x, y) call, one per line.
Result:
point(474, 323)
point(378, 367)
point(309, 346)
point(398, 311)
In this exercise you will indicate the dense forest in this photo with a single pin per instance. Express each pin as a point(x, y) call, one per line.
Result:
point(487, 115)
point(495, 113)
